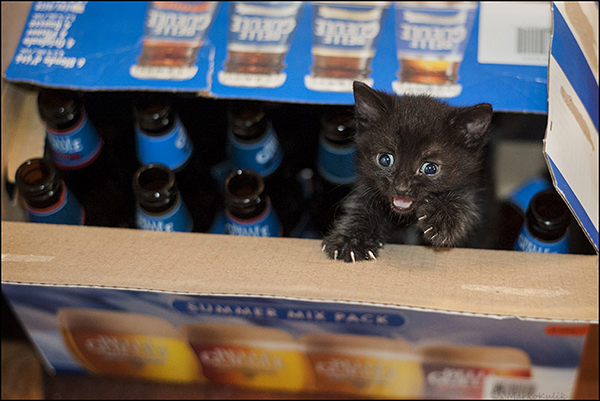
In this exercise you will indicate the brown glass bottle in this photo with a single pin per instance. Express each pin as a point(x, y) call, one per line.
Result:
point(47, 198)
point(254, 145)
point(162, 138)
point(336, 168)
point(77, 150)
point(160, 205)
point(248, 207)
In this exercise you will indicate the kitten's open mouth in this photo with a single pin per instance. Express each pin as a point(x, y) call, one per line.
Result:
point(402, 204)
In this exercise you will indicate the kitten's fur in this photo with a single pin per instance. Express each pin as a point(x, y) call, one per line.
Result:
point(446, 207)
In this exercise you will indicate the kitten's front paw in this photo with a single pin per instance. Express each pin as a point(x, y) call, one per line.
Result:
point(437, 229)
point(341, 247)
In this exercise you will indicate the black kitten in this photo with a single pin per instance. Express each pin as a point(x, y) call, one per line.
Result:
point(419, 161)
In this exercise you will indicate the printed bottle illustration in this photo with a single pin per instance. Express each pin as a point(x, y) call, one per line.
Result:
point(345, 36)
point(259, 38)
point(252, 356)
point(476, 372)
point(160, 207)
point(111, 343)
point(47, 198)
point(173, 35)
point(366, 366)
point(431, 38)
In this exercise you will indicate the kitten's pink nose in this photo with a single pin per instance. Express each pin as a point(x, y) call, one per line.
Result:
point(402, 189)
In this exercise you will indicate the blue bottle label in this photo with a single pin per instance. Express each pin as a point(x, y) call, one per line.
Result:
point(337, 164)
point(265, 225)
point(172, 149)
point(77, 147)
point(176, 219)
point(528, 243)
point(182, 22)
point(66, 211)
point(435, 32)
point(263, 156)
point(347, 27)
point(262, 26)
point(521, 196)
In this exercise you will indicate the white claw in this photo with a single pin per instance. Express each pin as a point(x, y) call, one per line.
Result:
point(372, 256)
point(423, 217)
point(429, 229)
point(352, 256)
point(335, 255)
point(434, 235)
point(323, 249)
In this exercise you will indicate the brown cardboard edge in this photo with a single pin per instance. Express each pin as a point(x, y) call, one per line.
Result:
point(495, 284)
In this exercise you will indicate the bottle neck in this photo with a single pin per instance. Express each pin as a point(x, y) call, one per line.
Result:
point(244, 195)
point(39, 183)
point(61, 110)
point(547, 216)
point(155, 189)
point(337, 128)
point(155, 114)
point(247, 121)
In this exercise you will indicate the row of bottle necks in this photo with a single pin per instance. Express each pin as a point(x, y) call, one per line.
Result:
point(254, 181)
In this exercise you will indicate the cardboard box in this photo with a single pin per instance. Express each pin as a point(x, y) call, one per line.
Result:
point(276, 314)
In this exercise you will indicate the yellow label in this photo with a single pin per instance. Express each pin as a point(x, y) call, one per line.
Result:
point(367, 376)
point(143, 356)
point(254, 367)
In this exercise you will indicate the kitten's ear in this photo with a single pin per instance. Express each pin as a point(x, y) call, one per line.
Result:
point(370, 105)
point(473, 122)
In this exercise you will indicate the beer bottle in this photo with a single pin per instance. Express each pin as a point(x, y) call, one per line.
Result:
point(159, 204)
point(47, 198)
point(254, 145)
point(248, 208)
point(511, 213)
point(162, 138)
point(77, 150)
point(336, 166)
point(545, 229)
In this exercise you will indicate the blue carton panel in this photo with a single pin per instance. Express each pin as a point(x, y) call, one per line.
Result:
point(225, 50)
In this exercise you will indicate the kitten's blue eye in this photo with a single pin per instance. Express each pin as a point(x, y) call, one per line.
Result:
point(429, 168)
point(385, 159)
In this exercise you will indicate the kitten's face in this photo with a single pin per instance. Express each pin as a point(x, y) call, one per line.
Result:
point(413, 146)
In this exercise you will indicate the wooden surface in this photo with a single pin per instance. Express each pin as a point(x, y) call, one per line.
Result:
point(23, 378)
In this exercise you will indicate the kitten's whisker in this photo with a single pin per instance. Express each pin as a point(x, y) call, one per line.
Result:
point(335, 255)
point(429, 229)
point(434, 235)
point(352, 256)
point(323, 249)
point(423, 217)
point(372, 256)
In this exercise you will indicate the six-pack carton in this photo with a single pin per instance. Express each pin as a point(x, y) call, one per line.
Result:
point(276, 313)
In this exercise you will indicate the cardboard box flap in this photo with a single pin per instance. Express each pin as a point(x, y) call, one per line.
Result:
point(541, 286)
point(571, 142)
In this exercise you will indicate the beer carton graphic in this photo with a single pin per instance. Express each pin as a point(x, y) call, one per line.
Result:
point(431, 38)
point(345, 36)
point(259, 38)
point(174, 33)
